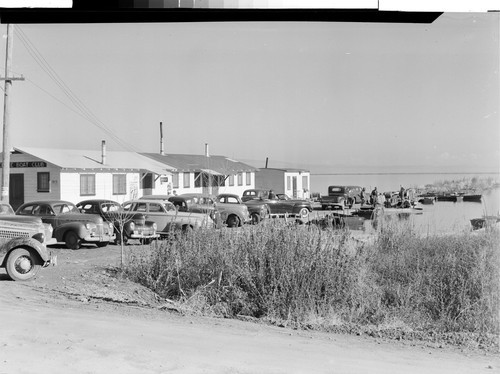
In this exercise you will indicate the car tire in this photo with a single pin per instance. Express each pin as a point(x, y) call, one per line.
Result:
point(101, 244)
point(232, 221)
point(72, 240)
point(255, 218)
point(21, 265)
point(304, 213)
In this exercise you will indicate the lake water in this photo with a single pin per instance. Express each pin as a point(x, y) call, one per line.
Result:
point(439, 218)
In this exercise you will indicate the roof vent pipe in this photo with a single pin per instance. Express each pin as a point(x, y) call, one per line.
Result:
point(162, 152)
point(206, 150)
point(103, 152)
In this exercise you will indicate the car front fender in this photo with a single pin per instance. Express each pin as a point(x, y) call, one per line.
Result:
point(29, 243)
point(78, 227)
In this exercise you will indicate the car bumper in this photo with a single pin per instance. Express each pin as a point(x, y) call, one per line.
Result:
point(140, 235)
point(51, 261)
point(101, 238)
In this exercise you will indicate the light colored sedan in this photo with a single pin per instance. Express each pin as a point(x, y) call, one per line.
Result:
point(167, 217)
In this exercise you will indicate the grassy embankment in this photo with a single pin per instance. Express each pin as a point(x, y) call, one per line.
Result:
point(402, 285)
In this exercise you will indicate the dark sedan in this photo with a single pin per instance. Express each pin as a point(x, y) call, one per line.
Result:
point(70, 226)
point(283, 204)
point(131, 224)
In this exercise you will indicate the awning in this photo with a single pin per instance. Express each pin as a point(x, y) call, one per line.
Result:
point(209, 171)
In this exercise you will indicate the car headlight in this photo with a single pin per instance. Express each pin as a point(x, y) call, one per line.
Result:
point(40, 237)
point(90, 226)
point(132, 226)
point(155, 226)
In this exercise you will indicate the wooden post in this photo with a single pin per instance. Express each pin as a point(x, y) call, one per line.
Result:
point(6, 118)
point(6, 115)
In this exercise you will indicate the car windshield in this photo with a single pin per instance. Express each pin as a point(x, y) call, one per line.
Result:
point(110, 207)
point(62, 208)
point(6, 209)
point(336, 189)
point(169, 206)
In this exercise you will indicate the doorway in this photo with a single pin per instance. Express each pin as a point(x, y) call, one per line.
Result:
point(16, 190)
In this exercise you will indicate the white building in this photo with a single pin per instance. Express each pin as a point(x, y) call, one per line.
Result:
point(207, 174)
point(75, 175)
point(292, 182)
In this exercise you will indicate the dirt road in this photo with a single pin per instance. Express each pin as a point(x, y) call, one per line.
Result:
point(78, 318)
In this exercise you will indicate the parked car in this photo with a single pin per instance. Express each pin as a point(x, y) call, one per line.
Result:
point(341, 196)
point(253, 194)
point(167, 217)
point(284, 204)
point(8, 214)
point(256, 208)
point(131, 225)
point(233, 212)
point(22, 249)
point(194, 202)
point(70, 225)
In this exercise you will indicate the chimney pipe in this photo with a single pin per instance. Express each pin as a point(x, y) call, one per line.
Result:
point(206, 150)
point(103, 152)
point(162, 152)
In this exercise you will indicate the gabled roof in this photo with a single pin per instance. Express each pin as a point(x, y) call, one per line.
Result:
point(211, 165)
point(70, 159)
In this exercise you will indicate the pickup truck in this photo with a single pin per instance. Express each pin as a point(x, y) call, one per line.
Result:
point(340, 197)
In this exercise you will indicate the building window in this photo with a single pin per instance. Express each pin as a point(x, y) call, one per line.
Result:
point(305, 183)
point(240, 179)
point(148, 181)
point(186, 180)
point(119, 184)
point(231, 180)
point(248, 178)
point(87, 184)
point(197, 179)
point(175, 180)
point(43, 182)
point(288, 183)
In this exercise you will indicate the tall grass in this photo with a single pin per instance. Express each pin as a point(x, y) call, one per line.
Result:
point(304, 275)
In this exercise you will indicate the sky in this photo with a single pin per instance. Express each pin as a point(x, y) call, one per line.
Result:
point(358, 97)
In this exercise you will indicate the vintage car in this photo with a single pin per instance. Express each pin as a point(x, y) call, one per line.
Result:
point(227, 203)
point(233, 212)
point(194, 202)
point(341, 196)
point(167, 217)
point(8, 214)
point(253, 194)
point(283, 204)
point(22, 249)
point(70, 225)
point(128, 225)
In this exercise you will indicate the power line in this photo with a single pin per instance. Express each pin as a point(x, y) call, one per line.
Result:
point(82, 109)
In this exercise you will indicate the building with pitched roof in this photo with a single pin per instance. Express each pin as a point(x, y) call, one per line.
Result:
point(207, 174)
point(75, 175)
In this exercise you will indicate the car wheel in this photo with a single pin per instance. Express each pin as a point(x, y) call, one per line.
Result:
point(255, 218)
point(101, 244)
point(21, 265)
point(232, 221)
point(72, 240)
point(304, 212)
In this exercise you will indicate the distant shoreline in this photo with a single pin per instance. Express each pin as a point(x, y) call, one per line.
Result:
point(410, 173)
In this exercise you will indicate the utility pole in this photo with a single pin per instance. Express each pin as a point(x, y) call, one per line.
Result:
point(6, 115)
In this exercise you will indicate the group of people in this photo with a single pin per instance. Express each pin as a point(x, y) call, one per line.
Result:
point(373, 198)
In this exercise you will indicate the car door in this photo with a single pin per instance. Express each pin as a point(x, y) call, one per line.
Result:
point(155, 212)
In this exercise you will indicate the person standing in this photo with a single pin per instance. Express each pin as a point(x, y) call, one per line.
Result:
point(374, 197)
point(362, 196)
